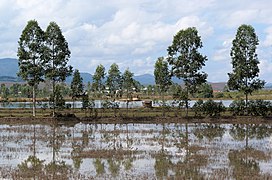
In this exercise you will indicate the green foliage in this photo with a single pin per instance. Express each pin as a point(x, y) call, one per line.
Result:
point(31, 54)
point(128, 82)
point(245, 62)
point(31, 57)
point(56, 56)
point(162, 75)
point(98, 78)
point(254, 108)
point(219, 95)
point(180, 96)
point(185, 59)
point(205, 91)
point(238, 107)
point(259, 107)
point(198, 107)
point(209, 108)
point(114, 79)
point(76, 85)
point(60, 102)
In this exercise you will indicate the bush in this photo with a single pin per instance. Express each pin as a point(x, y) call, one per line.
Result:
point(219, 95)
point(254, 107)
point(209, 107)
point(198, 108)
point(212, 108)
point(259, 107)
point(238, 107)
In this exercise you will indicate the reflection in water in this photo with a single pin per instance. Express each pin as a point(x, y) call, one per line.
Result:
point(136, 151)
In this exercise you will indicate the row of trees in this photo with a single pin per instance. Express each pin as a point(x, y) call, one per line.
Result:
point(45, 54)
point(186, 63)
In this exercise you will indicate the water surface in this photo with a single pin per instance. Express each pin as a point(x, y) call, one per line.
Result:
point(149, 151)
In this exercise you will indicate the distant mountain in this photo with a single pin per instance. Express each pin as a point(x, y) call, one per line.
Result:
point(10, 79)
point(9, 67)
point(145, 79)
point(87, 77)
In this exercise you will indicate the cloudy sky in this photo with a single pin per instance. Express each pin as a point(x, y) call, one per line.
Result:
point(134, 33)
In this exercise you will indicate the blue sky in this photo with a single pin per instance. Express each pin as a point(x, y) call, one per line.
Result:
point(134, 33)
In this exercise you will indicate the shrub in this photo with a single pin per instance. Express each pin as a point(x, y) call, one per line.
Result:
point(259, 107)
point(219, 95)
point(212, 108)
point(238, 107)
point(209, 107)
point(198, 108)
point(254, 107)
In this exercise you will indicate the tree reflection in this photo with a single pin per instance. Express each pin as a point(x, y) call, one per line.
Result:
point(32, 167)
point(179, 165)
point(99, 166)
point(189, 166)
point(209, 131)
point(57, 169)
point(246, 162)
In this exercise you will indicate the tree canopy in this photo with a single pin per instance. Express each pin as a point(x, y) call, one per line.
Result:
point(245, 70)
point(31, 56)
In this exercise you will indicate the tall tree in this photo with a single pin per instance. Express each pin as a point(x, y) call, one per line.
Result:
point(98, 78)
point(162, 77)
point(114, 79)
point(187, 61)
point(76, 85)
point(245, 70)
point(128, 84)
point(57, 57)
point(31, 55)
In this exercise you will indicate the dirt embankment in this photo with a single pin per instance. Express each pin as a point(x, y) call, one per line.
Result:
point(125, 120)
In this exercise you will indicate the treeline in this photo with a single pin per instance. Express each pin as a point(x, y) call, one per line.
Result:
point(43, 57)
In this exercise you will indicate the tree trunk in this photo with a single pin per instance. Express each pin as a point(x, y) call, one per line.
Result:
point(54, 99)
point(186, 102)
point(163, 106)
point(34, 100)
point(246, 103)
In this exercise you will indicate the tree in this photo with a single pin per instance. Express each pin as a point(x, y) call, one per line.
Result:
point(162, 77)
point(114, 79)
point(186, 61)
point(76, 85)
point(245, 62)
point(98, 78)
point(58, 98)
point(205, 90)
point(31, 57)
point(57, 56)
point(128, 84)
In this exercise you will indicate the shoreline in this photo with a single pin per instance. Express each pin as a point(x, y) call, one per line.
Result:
point(135, 120)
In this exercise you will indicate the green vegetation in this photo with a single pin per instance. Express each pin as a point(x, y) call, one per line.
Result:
point(43, 58)
point(186, 61)
point(245, 62)
point(30, 53)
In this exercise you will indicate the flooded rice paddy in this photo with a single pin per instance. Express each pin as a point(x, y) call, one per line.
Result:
point(136, 151)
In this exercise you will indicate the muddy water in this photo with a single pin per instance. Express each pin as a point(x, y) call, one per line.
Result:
point(136, 151)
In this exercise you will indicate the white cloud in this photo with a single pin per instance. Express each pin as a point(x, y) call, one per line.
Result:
point(222, 52)
point(135, 33)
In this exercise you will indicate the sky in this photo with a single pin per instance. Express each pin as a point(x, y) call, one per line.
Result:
point(134, 33)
